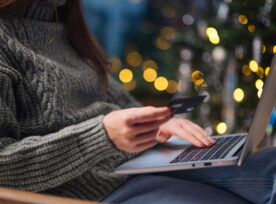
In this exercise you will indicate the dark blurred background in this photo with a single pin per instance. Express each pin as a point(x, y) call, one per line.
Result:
point(162, 49)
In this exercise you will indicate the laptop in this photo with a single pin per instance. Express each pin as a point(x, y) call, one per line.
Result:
point(230, 149)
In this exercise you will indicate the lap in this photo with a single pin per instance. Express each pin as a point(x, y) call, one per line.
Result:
point(153, 189)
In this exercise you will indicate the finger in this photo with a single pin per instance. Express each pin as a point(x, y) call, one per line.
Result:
point(201, 132)
point(149, 126)
point(144, 146)
point(162, 137)
point(144, 138)
point(195, 133)
point(148, 114)
point(184, 133)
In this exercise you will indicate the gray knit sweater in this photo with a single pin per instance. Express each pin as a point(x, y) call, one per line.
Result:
point(51, 107)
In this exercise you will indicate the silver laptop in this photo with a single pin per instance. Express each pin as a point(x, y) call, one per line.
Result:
point(230, 149)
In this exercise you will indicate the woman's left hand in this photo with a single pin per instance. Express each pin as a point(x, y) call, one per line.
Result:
point(184, 129)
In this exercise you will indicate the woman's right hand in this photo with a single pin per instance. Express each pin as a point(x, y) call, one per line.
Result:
point(135, 129)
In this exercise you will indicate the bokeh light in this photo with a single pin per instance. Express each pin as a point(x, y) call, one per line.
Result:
point(238, 94)
point(253, 65)
point(150, 75)
point(251, 28)
point(116, 64)
point(221, 128)
point(267, 70)
point(172, 87)
point(161, 83)
point(162, 44)
point(134, 59)
point(130, 86)
point(259, 94)
point(168, 33)
point(149, 64)
point(126, 75)
point(213, 36)
point(243, 19)
point(259, 84)
point(246, 70)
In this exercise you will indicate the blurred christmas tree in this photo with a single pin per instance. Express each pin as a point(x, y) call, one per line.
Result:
point(222, 49)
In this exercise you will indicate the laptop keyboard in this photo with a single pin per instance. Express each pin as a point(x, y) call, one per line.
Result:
point(223, 146)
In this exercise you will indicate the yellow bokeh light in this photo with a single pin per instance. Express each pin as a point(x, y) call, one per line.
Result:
point(267, 70)
point(221, 128)
point(130, 86)
point(243, 19)
point(116, 64)
point(246, 70)
point(196, 75)
point(168, 12)
point(251, 28)
point(126, 75)
point(168, 33)
point(253, 66)
point(162, 44)
point(238, 95)
point(260, 72)
point(211, 31)
point(264, 49)
point(161, 83)
point(172, 87)
point(274, 49)
point(213, 36)
point(259, 94)
point(150, 75)
point(259, 84)
point(149, 64)
point(134, 59)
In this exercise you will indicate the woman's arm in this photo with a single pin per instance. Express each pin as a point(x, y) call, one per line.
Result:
point(39, 162)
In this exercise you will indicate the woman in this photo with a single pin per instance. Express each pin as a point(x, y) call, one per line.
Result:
point(65, 124)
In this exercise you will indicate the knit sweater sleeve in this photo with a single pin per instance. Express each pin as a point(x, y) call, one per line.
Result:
point(37, 162)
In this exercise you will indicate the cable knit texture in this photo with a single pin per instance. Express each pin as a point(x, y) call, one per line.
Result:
point(51, 109)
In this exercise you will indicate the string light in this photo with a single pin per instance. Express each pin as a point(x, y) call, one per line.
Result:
point(213, 36)
point(125, 75)
point(221, 128)
point(253, 65)
point(150, 75)
point(243, 19)
point(238, 95)
point(161, 83)
point(259, 84)
point(134, 59)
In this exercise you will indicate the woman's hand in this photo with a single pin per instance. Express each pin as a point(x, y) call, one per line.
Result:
point(135, 129)
point(186, 130)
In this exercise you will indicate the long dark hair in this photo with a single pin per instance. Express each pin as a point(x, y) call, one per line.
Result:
point(77, 31)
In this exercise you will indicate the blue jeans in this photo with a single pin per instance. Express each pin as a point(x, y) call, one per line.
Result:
point(253, 182)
